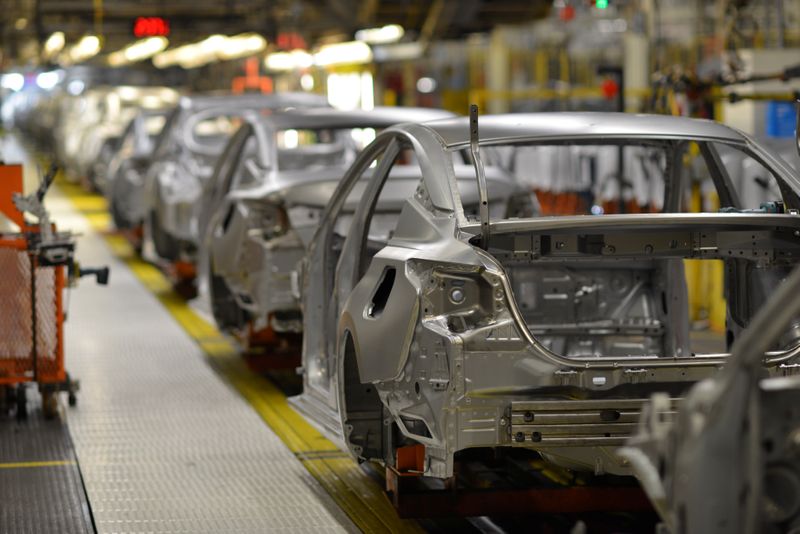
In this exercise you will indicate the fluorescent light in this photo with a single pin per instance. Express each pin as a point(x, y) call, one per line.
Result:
point(48, 80)
point(190, 55)
point(167, 58)
point(13, 81)
point(213, 48)
point(279, 61)
point(242, 45)
point(201, 53)
point(285, 61)
point(54, 44)
point(138, 51)
point(84, 49)
point(349, 53)
point(390, 33)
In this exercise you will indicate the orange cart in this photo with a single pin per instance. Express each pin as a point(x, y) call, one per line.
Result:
point(36, 263)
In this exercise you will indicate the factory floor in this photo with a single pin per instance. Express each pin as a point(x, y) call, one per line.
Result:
point(172, 432)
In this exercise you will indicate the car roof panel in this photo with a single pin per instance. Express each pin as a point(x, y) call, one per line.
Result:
point(564, 125)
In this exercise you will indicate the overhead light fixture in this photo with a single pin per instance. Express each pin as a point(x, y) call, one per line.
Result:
point(167, 58)
point(13, 81)
point(88, 47)
point(391, 33)
point(48, 80)
point(54, 44)
point(190, 55)
point(138, 51)
point(242, 45)
point(21, 24)
point(349, 53)
point(285, 61)
point(213, 48)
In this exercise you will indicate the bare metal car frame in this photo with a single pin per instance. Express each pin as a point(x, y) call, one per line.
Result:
point(175, 179)
point(128, 166)
point(256, 233)
point(426, 344)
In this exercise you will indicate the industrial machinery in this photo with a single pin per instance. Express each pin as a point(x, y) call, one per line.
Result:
point(37, 263)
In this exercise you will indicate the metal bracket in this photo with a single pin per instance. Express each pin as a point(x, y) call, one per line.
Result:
point(483, 193)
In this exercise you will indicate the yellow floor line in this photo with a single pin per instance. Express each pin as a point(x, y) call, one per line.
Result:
point(358, 495)
point(22, 465)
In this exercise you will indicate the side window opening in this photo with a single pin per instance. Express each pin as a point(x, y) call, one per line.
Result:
point(584, 179)
point(304, 149)
point(247, 173)
point(401, 184)
point(754, 183)
point(718, 308)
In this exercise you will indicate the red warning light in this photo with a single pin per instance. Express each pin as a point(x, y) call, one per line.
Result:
point(609, 88)
point(150, 27)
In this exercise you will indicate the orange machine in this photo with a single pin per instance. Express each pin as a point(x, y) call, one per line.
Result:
point(36, 261)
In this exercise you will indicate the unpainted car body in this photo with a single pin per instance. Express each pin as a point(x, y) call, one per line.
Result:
point(551, 333)
point(263, 204)
point(192, 140)
point(130, 162)
point(99, 116)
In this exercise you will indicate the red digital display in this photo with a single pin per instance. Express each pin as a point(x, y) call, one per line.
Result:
point(150, 27)
point(290, 41)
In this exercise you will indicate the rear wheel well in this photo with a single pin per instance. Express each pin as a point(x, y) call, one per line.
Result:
point(363, 412)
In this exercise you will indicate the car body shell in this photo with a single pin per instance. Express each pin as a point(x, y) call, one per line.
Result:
point(389, 344)
point(124, 176)
point(174, 181)
point(256, 234)
point(101, 115)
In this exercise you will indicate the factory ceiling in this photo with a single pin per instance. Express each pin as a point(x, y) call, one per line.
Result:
point(25, 21)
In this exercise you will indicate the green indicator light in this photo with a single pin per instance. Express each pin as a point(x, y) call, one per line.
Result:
point(601, 4)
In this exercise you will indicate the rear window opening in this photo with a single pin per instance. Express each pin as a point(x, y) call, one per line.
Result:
point(607, 304)
point(626, 307)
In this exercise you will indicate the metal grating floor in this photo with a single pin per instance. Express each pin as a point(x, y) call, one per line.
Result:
point(164, 445)
point(40, 483)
